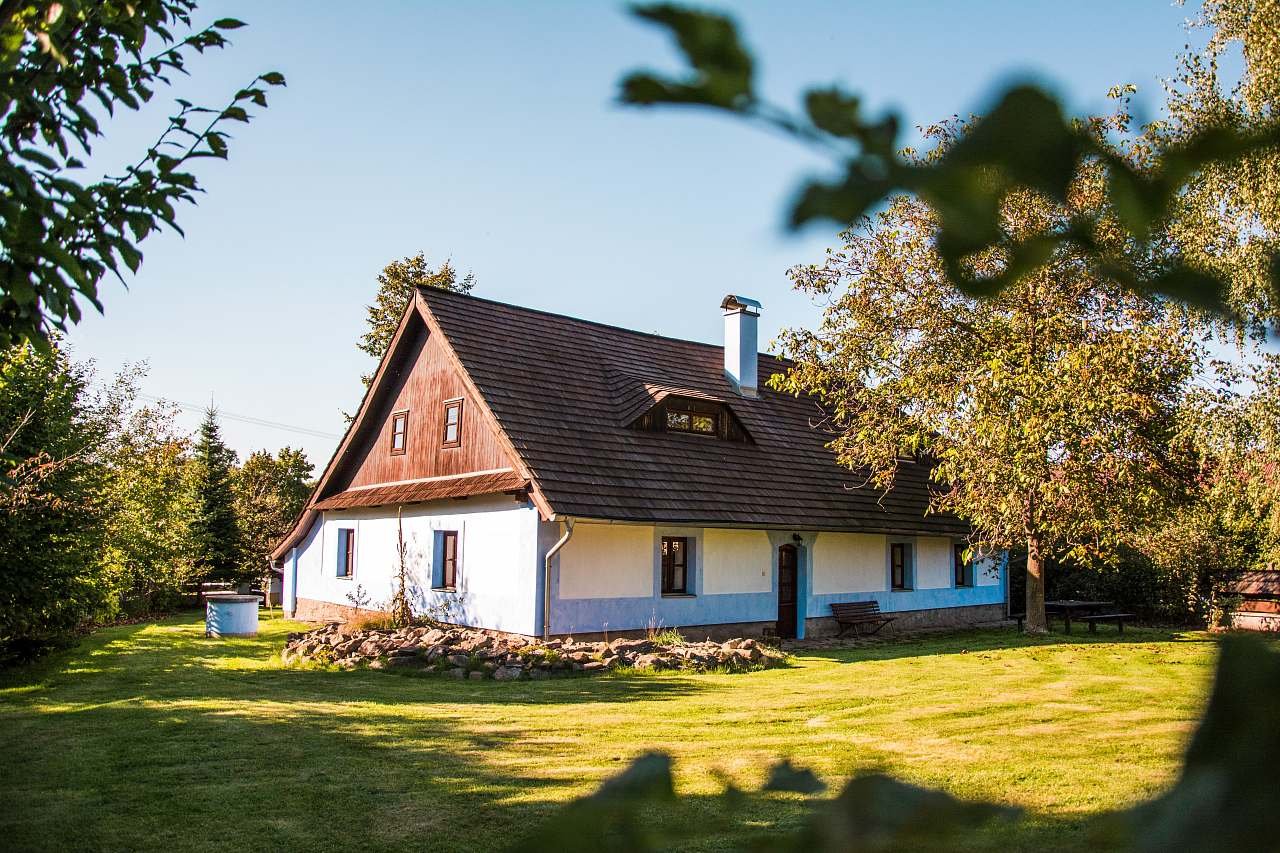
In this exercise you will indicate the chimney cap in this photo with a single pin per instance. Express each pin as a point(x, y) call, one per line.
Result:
point(741, 303)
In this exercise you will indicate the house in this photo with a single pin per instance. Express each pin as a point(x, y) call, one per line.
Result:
point(1259, 606)
point(551, 475)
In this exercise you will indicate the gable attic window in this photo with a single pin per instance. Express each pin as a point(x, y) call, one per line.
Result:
point(452, 424)
point(399, 433)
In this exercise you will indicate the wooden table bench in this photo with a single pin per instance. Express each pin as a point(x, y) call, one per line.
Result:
point(856, 614)
point(1117, 618)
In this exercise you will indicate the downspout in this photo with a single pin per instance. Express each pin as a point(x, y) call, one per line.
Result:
point(546, 578)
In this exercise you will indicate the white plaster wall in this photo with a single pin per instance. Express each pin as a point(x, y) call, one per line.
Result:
point(933, 563)
point(608, 561)
point(736, 561)
point(849, 562)
point(498, 545)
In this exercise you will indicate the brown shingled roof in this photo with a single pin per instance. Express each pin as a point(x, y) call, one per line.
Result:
point(426, 490)
point(562, 388)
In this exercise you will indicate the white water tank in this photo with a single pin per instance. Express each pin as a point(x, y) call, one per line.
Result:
point(229, 614)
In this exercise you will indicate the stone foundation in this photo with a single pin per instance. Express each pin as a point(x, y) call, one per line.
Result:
point(907, 621)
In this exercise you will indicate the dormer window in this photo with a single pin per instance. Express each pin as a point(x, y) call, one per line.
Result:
point(399, 433)
point(702, 423)
point(452, 424)
point(692, 416)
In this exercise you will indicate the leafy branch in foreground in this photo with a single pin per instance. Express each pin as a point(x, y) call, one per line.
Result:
point(65, 68)
point(1224, 799)
point(1023, 143)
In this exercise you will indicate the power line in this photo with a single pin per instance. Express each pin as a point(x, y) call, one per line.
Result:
point(246, 419)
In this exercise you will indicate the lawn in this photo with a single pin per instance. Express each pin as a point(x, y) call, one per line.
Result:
point(151, 737)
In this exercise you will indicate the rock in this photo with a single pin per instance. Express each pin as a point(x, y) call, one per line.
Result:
point(593, 666)
point(401, 661)
point(476, 676)
point(508, 673)
point(370, 648)
point(377, 663)
point(648, 662)
point(432, 637)
point(457, 672)
point(459, 660)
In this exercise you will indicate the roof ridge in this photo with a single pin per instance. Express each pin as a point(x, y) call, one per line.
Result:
point(431, 292)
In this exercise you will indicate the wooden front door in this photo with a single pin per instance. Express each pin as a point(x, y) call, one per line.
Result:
point(787, 575)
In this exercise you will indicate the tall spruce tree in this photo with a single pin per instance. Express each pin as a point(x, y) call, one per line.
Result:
point(215, 535)
point(396, 284)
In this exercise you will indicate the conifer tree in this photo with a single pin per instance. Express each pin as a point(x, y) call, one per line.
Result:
point(396, 284)
point(215, 535)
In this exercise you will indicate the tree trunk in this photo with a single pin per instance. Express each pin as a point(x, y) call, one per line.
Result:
point(1036, 622)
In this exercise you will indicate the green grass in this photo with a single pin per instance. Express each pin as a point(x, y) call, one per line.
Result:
point(151, 737)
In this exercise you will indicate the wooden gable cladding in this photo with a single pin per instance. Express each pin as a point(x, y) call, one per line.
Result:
point(421, 385)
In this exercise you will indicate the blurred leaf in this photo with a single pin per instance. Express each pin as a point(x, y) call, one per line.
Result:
point(801, 780)
point(876, 812)
point(723, 68)
point(614, 817)
point(1227, 797)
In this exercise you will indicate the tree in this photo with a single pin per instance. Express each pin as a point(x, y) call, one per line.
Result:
point(396, 284)
point(1047, 411)
point(51, 513)
point(69, 65)
point(214, 532)
point(270, 492)
point(1227, 219)
point(1023, 143)
point(146, 544)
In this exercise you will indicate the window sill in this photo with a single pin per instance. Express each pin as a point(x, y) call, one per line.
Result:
point(343, 577)
point(444, 589)
point(903, 589)
point(679, 595)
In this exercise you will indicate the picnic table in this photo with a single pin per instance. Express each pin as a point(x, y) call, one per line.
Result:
point(1071, 607)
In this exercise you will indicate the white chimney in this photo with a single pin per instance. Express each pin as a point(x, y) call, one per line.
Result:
point(740, 316)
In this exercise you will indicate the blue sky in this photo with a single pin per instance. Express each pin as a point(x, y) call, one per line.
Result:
point(488, 133)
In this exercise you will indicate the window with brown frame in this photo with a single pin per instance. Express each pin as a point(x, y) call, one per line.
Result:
point(699, 423)
point(452, 424)
point(675, 565)
point(899, 566)
point(399, 433)
point(446, 575)
point(346, 552)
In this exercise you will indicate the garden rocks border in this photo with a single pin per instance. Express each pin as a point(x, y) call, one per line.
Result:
point(473, 654)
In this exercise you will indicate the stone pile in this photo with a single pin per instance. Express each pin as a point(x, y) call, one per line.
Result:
point(468, 653)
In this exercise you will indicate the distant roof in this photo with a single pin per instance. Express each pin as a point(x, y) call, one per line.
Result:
point(1261, 582)
point(564, 389)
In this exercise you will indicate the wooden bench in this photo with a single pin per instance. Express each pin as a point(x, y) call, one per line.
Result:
point(856, 614)
point(1117, 618)
point(1019, 617)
